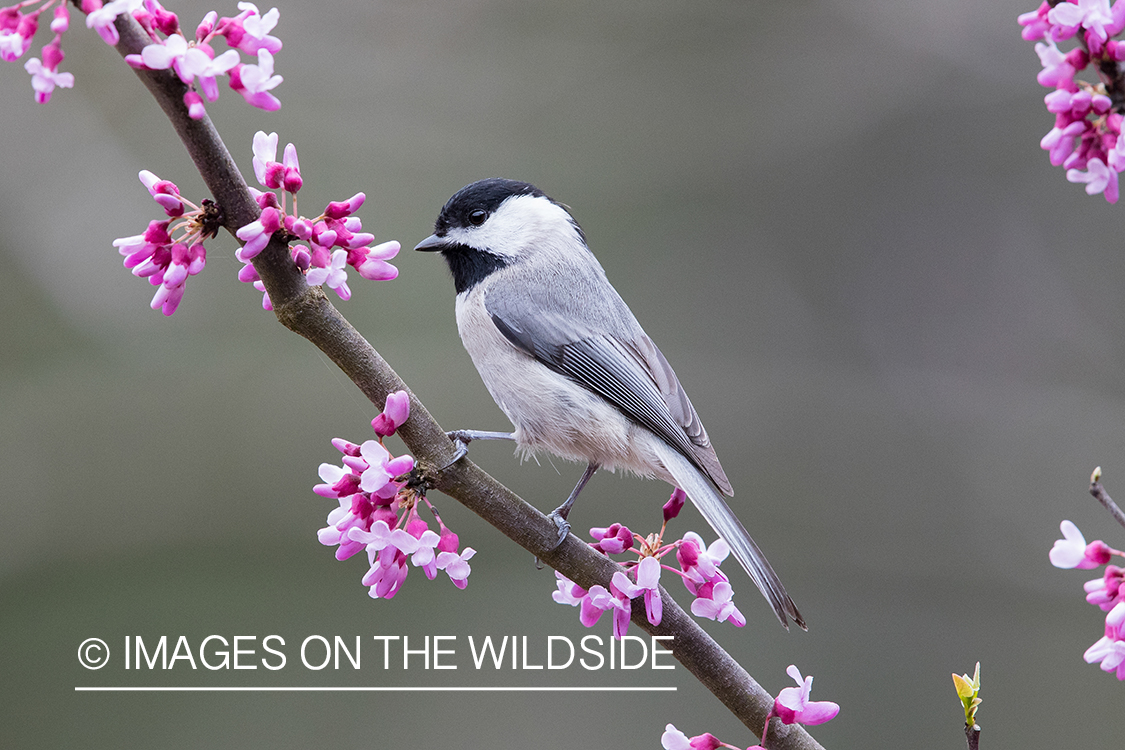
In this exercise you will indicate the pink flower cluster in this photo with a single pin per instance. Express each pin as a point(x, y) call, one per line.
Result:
point(1106, 593)
point(18, 25)
point(1086, 138)
point(196, 63)
point(336, 227)
point(792, 706)
point(699, 570)
point(170, 251)
point(379, 512)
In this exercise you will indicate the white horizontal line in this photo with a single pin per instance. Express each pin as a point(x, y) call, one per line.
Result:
point(384, 689)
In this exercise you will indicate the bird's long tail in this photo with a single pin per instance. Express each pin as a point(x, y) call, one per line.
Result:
point(722, 519)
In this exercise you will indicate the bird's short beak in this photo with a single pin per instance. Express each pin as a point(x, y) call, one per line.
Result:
point(433, 243)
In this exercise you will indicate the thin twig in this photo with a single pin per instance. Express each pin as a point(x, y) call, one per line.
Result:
point(972, 736)
point(1098, 491)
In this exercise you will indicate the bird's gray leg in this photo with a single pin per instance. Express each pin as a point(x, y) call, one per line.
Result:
point(559, 514)
point(462, 438)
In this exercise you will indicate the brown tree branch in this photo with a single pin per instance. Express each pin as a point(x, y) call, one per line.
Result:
point(1098, 491)
point(972, 736)
point(305, 310)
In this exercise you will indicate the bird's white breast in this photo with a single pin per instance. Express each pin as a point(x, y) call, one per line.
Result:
point(548, 410)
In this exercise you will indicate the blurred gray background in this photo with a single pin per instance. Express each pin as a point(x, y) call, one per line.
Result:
point(901, 326)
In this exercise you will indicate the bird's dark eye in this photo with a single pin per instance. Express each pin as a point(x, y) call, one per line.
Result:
point(477, 217)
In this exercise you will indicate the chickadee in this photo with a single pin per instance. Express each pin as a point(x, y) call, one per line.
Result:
point(565, 359)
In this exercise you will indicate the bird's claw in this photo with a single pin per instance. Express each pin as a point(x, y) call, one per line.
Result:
point(562, 525)
point(460, 447)
point(564, 529)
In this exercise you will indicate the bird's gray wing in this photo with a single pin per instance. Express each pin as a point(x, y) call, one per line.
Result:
point(628, 371)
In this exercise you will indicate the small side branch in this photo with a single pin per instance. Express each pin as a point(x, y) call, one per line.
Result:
point(972, 736)
point(1098, 491)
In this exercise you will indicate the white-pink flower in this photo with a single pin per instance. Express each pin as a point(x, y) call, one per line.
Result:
point(720, 606)
point(102, 19)
point(333, 276)
point(378, 478)
point(567, 591)
point(257, 234)
point(648, 584)
point(395, 412)
point(792, 705)
point(197, 63)
point(253, 30)
point(1093, 15)
point(456, 565)
point(15, 42)
point(44, 80)
point(1109, 650)
point(674, 739)
point(1098, 177)
point(707, 565)
point(255, 82)
point(265, 153)
point(1070, 551)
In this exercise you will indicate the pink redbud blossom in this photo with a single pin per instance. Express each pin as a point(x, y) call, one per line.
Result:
point(425, 552)
point(102, 19)
point(194, 104)
point(61, 21)
point(674, 739)
point(44, 79)
point(567, 591)
point(201, 63)
point(291, 182)
point(1070, 551)
point(333, 275)
point(1057, 70)
point(1109, 650)
point(164, 20)
point(249, 31)
point(1108, 591)
point(599, 600)
point(456, 566)
point(163, 192)
point(1090, 14)
point(16, 32)
point(613, 539)
point(1060, 141)
point(301, 257)
point(1099, 179)
point(674, 505)
point(265, 153)
point(793, 706)
point(395, 412)
point(340, 209)
point(648, 584)
point(257, 233)
point(382, 468)
point(372, 264)
point(206, 26)
point(255, 82)
point(1035, 23)
point(701, 564)
point(719, 606)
